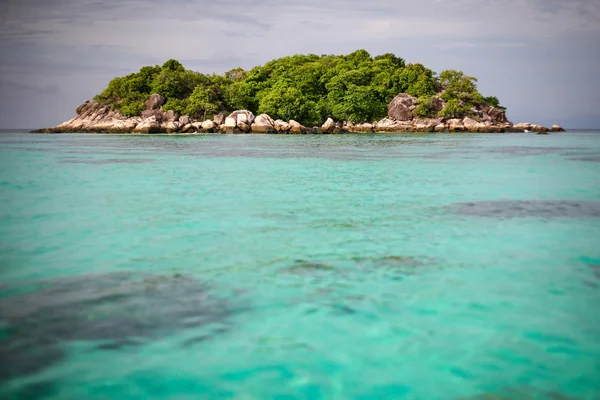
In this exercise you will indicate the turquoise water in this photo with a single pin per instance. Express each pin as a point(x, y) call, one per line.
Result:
point(423, 266)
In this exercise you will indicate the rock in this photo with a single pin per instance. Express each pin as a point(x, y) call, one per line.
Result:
point(82, 107)
point(184, 120)
point(197, 126)
point(523, 126)
point(154, 102)
point(425, 124)
point(208, 125)
point(539, 129)
point(242, 126)
point(401, 106)
point(229, 125)
point(490, 114)
point(263, 124)
point(474, 126)
point(219, 119)
point(158, 114)
point(556, 128)
point(441, 127)
point(242, 116)
point(388, 125)
point(149, 125)
point(282, 126)
point(455, 125)
point(171, 126)
point(328, 126)
point(364, 128)
point(437, 104)
point(296, 127)
point(187, 128)
point(170, 116)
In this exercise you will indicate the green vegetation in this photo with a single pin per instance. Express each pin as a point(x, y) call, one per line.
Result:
point(307, 88)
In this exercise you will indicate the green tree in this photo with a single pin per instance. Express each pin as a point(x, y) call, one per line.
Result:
point(457, 85)
point(203, 102)
point(494, 102)
point(453, 109)
point(425, 108)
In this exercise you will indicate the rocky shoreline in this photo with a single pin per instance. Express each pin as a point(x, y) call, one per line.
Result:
point(94, 117)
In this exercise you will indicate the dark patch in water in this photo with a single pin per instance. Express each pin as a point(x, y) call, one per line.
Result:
point(528, 208)
point(107, 161)
point(403, 265)
point(33, 391)
point(525, 150)
point(587, 159)
point(595, 269)
point(342, 309)
point(305, 266)
point(520, 393)
point(118, 308)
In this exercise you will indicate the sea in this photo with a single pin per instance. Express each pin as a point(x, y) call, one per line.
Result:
point(384, 266)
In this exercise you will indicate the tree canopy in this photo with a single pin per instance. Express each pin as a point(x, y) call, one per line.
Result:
point(355, 87)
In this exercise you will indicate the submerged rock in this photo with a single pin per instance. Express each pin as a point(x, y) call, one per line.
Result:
point(118, 309)
point(529, 208)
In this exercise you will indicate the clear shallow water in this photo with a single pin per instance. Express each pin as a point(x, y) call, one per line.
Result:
point(313, 267)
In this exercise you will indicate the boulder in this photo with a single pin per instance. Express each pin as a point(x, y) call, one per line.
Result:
point(229, 125)
point(149, 125)
point(441, 127)
point(328, 126)
point(263, 124)
point(556, 128)
point(494, 114)
point(455, 125)
point(208, 125)
point(158, 114)
point(244, 127)
point(242, 116)
point(170, 116)
point(184, 120)
point(171, 126)
point(474, 126)
point(154, 102)
point(219, 119)
point(437, 104)
point(365, 127)
point(523, 126)
point(82, 107)
point(296, 127)
point(282, 126)
point(388, 125)
point(425, 124)
point(185, 128)
point(539, 129)
point(401, 106)
point(196, 127)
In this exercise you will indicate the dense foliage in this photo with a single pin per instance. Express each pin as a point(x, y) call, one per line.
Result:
point(307, 88)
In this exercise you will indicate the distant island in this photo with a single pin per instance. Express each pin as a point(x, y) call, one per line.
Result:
point(295, 94)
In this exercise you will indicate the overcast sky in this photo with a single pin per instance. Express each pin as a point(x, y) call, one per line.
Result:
point(540, 57)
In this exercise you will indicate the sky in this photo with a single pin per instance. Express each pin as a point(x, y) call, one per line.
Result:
point(539, 57)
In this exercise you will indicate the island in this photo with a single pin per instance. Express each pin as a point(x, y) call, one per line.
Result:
point(295, 95)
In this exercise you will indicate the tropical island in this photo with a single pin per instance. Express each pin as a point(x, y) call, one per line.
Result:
point(295, 94)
